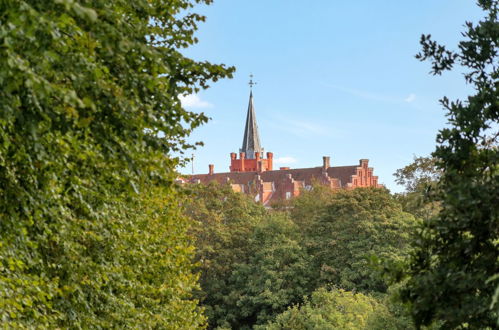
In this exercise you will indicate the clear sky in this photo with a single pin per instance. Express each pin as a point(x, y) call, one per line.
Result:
point(334, 78)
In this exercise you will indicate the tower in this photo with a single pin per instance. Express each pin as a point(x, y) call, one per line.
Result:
point(251, 154)
point(251, 139)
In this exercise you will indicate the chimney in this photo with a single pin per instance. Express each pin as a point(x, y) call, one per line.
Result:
point(325, 162)
point(270, 161)
point(257, 155)
point(242, 155)
point(211, 168)
point(259, 166)
point(233, 155)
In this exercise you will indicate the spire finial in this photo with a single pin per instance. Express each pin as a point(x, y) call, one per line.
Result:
point(251, 139)
point(251, 82)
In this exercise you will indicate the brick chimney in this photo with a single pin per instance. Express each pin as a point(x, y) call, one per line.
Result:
point(259, 166)
point(211, 168)
point(242, 155)
point(270, 161)
point(325, 162)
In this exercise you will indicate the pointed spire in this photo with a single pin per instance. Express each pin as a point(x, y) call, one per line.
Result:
point(251, 140)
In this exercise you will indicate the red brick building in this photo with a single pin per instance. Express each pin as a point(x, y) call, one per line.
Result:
point(253, 174)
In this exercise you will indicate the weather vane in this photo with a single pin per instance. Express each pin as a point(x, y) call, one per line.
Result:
point(251, 82)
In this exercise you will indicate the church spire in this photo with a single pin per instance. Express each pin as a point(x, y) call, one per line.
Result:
point(251, 140)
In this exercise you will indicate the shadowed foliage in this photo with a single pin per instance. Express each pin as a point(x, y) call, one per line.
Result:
point(457, 252)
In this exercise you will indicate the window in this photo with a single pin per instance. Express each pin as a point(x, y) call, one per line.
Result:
point(288, 194)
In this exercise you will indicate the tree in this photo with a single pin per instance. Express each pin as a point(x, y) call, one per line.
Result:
point(336, 309)
point(310, 205)
point(457, 252)
point(224, 223)
point(252, 264)
point(89, 118)
point(275, 276)
point(416, 176)
point(348, 229)
point(419, 178)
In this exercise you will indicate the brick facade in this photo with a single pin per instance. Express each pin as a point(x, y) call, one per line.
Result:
point(256, 164)
point(267, 185)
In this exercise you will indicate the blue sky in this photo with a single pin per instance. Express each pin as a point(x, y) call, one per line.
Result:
point(334, 78)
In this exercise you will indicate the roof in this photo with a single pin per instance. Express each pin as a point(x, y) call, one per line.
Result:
point(308, 175)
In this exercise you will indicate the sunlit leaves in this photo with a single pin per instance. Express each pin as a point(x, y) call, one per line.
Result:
point(336, 309)
point(84, 95)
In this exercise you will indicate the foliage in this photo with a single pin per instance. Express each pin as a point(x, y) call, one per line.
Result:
point(255, 263)
point(421, 173)
point(354, 225)
point(336, 309)
point(224, 222)
point(457, 252)
point(419, 178)
point(276, 275)
point(155, 275)
point(310, 205)
point(89, 116)
point(133, 267)
point(251, 262)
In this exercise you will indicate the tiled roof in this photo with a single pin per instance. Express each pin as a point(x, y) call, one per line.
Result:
point(308, 175)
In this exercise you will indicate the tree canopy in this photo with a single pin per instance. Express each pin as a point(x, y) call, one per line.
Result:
point(457, 253)
point(89, 119)
point(419, 179)
point(336, 309)
point(255, 263)
point(349, 228)
point(418, 174)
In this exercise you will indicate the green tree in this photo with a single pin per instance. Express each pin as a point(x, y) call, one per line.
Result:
point(255, 263)
point(419, 174)
point(310, 205)
point(336, 309)
point(251, 261)
point(419, 178)
point(350, 227)
point(89, 118)
point(224, 222)
point(275, 276)
point(457, 252)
